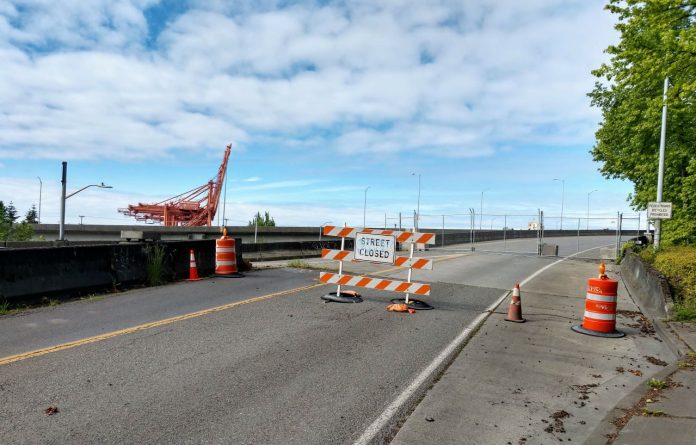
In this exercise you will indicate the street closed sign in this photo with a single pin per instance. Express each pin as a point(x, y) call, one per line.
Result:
point(659, 210)
point(375, 248)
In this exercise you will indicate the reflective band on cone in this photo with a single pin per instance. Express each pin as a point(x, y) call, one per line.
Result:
point(600, 309)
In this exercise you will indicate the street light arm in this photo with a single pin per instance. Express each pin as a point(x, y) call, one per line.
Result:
point(101, 186)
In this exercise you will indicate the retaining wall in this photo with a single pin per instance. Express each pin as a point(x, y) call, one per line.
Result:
point(31, 273)
point(647, 286)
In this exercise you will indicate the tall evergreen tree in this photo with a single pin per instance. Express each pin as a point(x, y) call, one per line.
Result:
point(3, 213)
point(32, 216)
point(11, 213)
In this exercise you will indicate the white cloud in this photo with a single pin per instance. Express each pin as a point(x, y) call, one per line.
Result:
point(451, 80)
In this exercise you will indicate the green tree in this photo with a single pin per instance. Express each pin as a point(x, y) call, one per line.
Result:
point(658, 40)
point(9, 231)
point(3, 213)
point(11, 213)
point(32, 217)
point(263, 221)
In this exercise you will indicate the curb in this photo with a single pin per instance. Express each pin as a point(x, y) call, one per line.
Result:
point(605, 426)
point(673, 342)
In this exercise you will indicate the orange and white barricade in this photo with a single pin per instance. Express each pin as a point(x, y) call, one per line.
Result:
point(600, 307)
point(377, 246)
point(226, 257)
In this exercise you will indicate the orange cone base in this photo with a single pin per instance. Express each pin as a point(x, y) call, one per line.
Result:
point(521, 320)
point(193, 279)
point(581, 330)
point(418, 305)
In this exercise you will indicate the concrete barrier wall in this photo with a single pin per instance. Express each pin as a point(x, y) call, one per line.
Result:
point(31, 273)
point(28, 274)
point(81, 233)
point(647, 286)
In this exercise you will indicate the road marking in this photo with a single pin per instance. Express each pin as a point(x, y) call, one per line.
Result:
point(85, 341)
point(448, 353)
point(142, 327)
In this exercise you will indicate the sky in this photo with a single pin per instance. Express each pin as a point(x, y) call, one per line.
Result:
point(484, 102)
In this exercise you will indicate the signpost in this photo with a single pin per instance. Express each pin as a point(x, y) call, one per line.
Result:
point(659, 210)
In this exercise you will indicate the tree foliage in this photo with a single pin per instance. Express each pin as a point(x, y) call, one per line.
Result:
point(262, 221)
point(32, 216)
point(658, 39)
point(9, 229)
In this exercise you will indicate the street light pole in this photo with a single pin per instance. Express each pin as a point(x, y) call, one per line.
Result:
point(661, 164)
point(562, 199)
point(417, 218)
point(40, 190)
point(481, 209)
point(63, 183)
point(588, 208)
point(63, 198)
point(365, 205)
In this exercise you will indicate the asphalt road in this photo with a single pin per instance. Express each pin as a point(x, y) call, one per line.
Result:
point(284, 368)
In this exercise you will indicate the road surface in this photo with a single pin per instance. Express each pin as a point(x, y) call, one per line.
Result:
point(239, 360)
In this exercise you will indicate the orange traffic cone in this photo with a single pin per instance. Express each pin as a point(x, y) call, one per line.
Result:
point(515, 308)
point(193, 271)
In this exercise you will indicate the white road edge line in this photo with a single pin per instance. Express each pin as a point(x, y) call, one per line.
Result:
point(381, 421)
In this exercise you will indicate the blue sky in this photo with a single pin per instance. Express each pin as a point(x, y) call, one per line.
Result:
point(320, 99)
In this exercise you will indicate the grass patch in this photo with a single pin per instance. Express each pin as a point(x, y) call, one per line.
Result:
point(5, 308)
point(657, 384)
point(678, 265)
point(627, 247)
point(92, 297)
point(154, 264)
point(685, 311)
point(653, 412)
point(302, 264)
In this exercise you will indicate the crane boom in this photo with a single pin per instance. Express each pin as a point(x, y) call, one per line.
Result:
point(196, 207)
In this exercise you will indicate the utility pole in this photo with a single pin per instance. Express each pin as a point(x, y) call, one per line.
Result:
point(63, 182)
point(40, 191)
point(661, 165)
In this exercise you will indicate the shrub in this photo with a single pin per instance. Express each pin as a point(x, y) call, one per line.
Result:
point(678, 265)
point(629, 246)
point(154, 264)
point(647, 254)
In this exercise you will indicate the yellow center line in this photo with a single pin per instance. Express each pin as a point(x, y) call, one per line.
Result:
point(85, 341)
point(142, 327)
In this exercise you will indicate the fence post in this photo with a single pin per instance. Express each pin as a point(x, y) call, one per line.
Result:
point(400, 222)
point(578, 249)
point(443, 230)
point(505, 232)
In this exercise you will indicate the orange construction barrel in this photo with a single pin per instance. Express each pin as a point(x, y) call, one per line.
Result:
point(600, 308)
point(226, 257)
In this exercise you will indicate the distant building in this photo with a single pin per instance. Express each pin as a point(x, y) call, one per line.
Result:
point(533, 225)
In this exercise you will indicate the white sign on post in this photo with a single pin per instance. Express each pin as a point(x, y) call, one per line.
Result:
point(659, 210)
point(375, 248)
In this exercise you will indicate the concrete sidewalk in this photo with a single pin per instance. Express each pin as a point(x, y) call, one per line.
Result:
point(540, 382)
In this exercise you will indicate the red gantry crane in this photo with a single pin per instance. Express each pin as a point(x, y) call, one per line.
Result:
point(196, 207)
